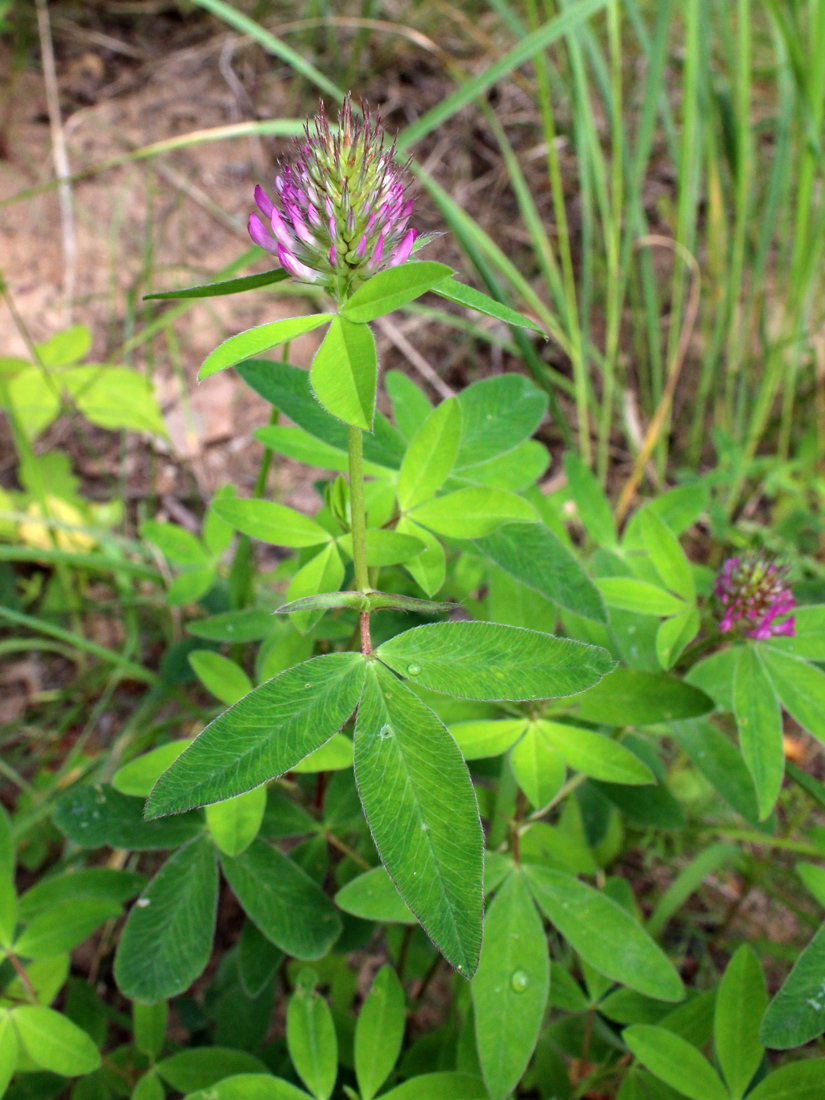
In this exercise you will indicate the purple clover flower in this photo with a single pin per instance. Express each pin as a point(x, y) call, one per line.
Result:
point(340, 212)
point(754, 594)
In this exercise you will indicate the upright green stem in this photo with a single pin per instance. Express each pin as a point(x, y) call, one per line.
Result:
point(355, 443)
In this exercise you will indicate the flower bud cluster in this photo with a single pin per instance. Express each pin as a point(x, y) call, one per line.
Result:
point(754, 594)
point(340, 212)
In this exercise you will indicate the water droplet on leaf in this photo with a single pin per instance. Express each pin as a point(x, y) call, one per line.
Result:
point(519, 981)
point(385, 731)
point(413, 670)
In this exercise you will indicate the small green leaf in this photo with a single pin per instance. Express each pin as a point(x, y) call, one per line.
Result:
point(190, 586)
point(234, 824)
point(410, 405)
point(429, 569)
point(393, 288)
point(741, 1001)
point(595, 755)
point(464, 295)
point(115, 398)
point(167, 940)
point(497, 414)
point(675, 1061)
point(814, 878)
point(604, 934)
point(100, 883)
point(264, 735)
point(632, 697)
point(800, 687)
point(534, 556)
point(8, 1050)
point(63, 927)
point(592, 506)
point(667, 555)
point(35, 398)
point(803, 1080)
point(386, 547)
point(271, 522)
point(66, 347)
point(149, 1087)
point(253, 624)
point(139, 776)
point(149, 1025)
point(258, 959)
point(175, 543)
point(334, 756)
point(796, 1015)
point(226, 680)
point(206, 1066)
point(674, 634)
point(439, 1086)
point(408, 770)
point(373, 896)
point(323, 573)
point(379, 1032)
point(54, 1043)
point(473, 513)
point(94, 816)
point(430, 456)
point(288, 389)
point(538, 767)
point(8, 910)
point(808, 639)
point(487, 737)
point(229, 286)
point(255, 340)
point(477, 660)
point(311, 1039)
point(510, 987)
point(284, 902)
point(249, 1086)
point(759, 721)
point(344, 373)
point(630, 594)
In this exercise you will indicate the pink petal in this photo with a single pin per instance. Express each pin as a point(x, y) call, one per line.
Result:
point(290, 263)
point(258, 233)
point(402, 253)
point(264, 201)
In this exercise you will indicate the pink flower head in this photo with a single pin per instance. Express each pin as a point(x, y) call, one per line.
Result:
point(754, 597)
point(340, 212)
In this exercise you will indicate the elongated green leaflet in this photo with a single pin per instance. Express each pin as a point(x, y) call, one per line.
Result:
point(271, 522)
point(473, 513)
point(740, 1004)
point(392, 288)
point(604, 934)
point(510, 987)
point(596, 755)
point(464, 295)
point(675, 1061)
point(255, 340)
point(379, 1032)
point(431, 455)
point(421, 808)
point(759, 722)
point(477, 660)
point(229, 286)
point(796, 1015)
point(264, 735)
point(167, 939)
point(344, 373)
point(287, 905)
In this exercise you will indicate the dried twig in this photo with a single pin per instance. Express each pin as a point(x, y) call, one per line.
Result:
point(397, 337)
